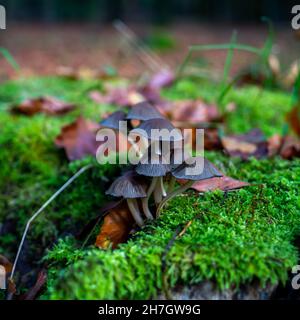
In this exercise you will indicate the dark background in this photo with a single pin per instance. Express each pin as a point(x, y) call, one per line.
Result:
point(153, 11)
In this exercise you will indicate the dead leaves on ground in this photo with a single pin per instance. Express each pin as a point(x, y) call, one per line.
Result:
point(190, 112)
point(120, 96)
point(78, 139)
point(254, 144)
point(288, 147)
point(116, 227)
point(47, 105)
point(246, 145)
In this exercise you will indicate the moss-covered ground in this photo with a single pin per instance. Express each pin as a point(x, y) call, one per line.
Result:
point(234, 238)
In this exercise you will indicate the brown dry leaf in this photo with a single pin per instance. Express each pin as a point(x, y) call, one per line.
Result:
point(48, 105)
point(288, 147)
point(116, 227)
point(123, 97)
point(219, 183)
point(274, 144)
point(78, 139)
point(244, 146)
point(293, 118)
point(33, 292)
point(192, 111)
point(6, 264)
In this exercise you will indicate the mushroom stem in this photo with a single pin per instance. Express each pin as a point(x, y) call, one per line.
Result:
point(157, 193)
point(133, 207)
point(145, 201)
point(146, 209)
point(171, 184)
point(162, 187)
point(172, 195)
point(152, 186)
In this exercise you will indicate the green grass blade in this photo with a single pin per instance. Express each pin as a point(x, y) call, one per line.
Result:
point(228, 60)
point(10, 59)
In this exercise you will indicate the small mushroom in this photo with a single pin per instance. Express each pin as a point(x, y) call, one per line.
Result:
point(155, 166)
point(159, 131)
point(146, 127)
point(112, 121)
point(131, 187)
point(209, 171)
point(144, 111)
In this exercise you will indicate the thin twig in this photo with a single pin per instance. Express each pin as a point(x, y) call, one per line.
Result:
point(179, 232)
point(35, 215)
point(147, 56)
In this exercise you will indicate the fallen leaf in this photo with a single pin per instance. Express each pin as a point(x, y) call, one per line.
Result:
point(88, 228)
point(246, 145)
point(123, 97)
point(33, 292)
point(192, 111)
point(290, 148)
point(6, 264)
point(293, 118)
point(48, 105)
point(78, 139)
point(274, 144)
point(116, 227)
point(219, 183)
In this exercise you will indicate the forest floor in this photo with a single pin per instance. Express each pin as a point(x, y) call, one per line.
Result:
point(232, 239)
point(40, 49)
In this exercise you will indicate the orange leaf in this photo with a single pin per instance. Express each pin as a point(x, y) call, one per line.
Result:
point(293, 118)
point(6, 264)
point(116, 227)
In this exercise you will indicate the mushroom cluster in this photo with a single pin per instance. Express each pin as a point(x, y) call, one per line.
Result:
point(159, 165)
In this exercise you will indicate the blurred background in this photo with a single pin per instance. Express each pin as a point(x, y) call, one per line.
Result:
point(45, 34)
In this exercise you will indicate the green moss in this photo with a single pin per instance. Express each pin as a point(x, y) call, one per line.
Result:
point(233, 239)
point(32, 168)
point(247, 234)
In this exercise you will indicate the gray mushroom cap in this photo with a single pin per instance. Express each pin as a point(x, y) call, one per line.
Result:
point(144, 111)
point(153, 165)
point(113, 120)
point(129, 186)
point(209, 171)
point(146, 127)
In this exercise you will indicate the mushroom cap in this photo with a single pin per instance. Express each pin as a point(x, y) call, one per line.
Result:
point(129, 186)
point(209, 171)
point(112, 121)
point(153, 165)
point(144, 111)
point(146, 127)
